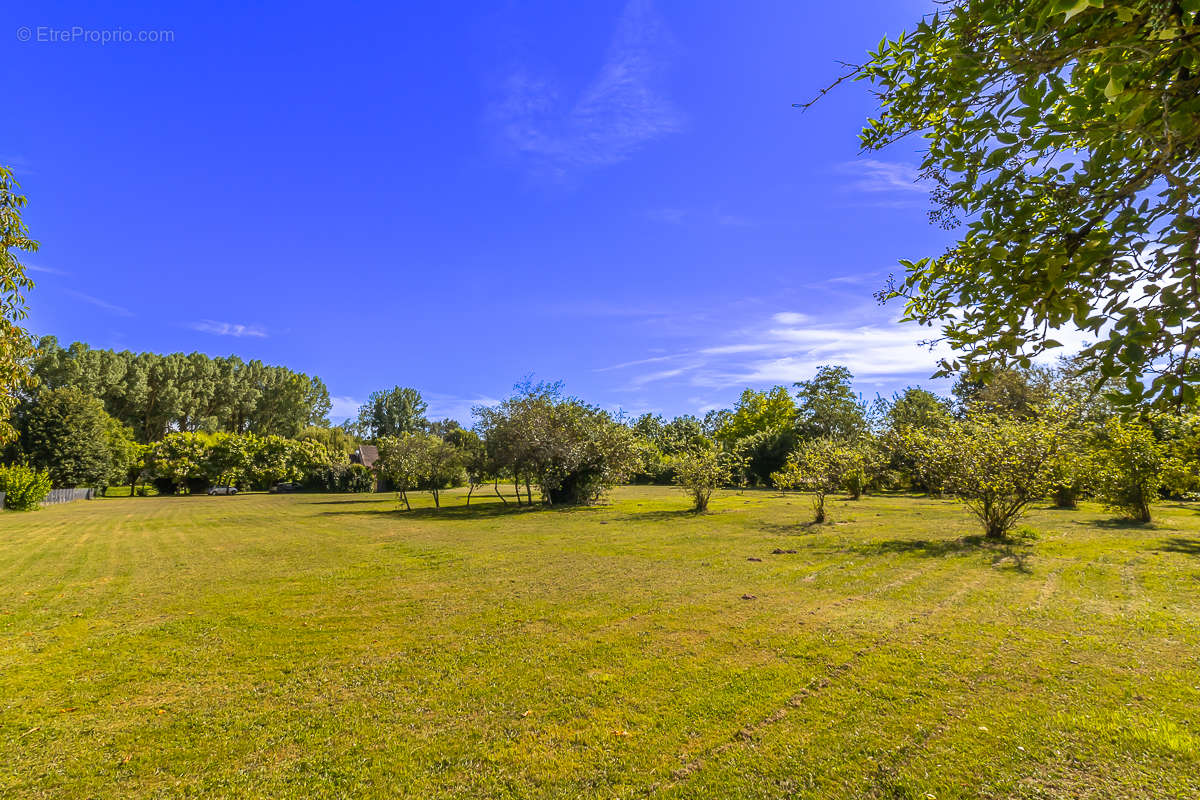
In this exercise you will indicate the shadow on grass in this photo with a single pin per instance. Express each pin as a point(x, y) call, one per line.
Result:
point(1181, 544)
point(1121, 524)
point(1012, 551)
point(797, 528)
point(457, 512)
point(666, 515)
point(373, 498)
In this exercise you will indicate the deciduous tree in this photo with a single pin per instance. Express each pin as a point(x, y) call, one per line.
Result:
point(1131, 468)
point(573, 451)
point(16, 346)
point(1064, 137)
point(700, 470)
point(818, 466)
point(827, 406)
point(67, 433)
point(996, 465)
point(392, 412)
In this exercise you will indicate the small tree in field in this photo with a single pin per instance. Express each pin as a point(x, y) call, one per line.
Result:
point(865, 465)
point(820, 466)
point(402, 463)
point(701, 470)
point(1132, 463)
point(995, 465)
point(24, 488)
point(419, 461)
point(473, 458)
point(443, 466)
point(572, 451)
point(1073, 470)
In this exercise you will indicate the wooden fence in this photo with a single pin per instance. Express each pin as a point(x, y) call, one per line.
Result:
point(67, 496)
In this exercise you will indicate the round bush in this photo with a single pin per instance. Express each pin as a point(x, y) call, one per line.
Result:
point(24, 488)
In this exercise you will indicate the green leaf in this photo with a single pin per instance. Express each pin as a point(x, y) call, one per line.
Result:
point(1112, 89)
point(1078, 8)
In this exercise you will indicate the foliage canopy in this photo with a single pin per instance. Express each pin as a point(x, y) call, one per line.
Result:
point(15, 344)
point(1063, 136)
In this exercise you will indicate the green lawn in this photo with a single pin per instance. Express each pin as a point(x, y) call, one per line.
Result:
point(330, 646)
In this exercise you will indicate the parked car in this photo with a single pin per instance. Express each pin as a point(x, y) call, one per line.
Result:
point(284, 488)
point(212, 490)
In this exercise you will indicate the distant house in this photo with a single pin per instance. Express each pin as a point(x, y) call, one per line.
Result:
point(366, 454)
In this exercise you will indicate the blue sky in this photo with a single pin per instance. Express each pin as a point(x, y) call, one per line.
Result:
point(452, 196)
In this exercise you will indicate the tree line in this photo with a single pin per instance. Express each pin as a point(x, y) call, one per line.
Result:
point(998, 444)
point(156, 394)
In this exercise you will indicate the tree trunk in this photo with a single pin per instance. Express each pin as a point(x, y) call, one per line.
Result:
point(404, 497)
point(496, 487)
point(470, 491)
point(1064, 497)
point(1143, 514)
point(437, 501)
point(528, 493)
point(517, 489)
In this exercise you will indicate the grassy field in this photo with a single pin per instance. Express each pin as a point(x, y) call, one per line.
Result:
point(329, 646)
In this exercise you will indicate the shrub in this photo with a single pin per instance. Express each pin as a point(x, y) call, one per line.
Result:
point(765, 452)
point(24, 488)
point(995, 465)
point(179, 460)
point(701, 470)
point(571, 450)
point(1073, 469)
point(865, 467)
point(654, 466)
point(1132, 463)
point(419, 461)
point(340, 478)
point(358, 478)
point(820, 466)
point(1181, 472)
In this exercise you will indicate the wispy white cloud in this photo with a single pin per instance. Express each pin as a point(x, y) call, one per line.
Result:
point(19, 165)
point(343, 408)
point(452, 406)
point(873, 175)
point(651, 377)
point(229, 329)
point(46, 270)
point(791, 318)
point(858, 278)
point(789, 346)
point(111, 308)
point(636, 363)
point(869, 351)
point(618, 112)
point(672, 215)
point(733, 349)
